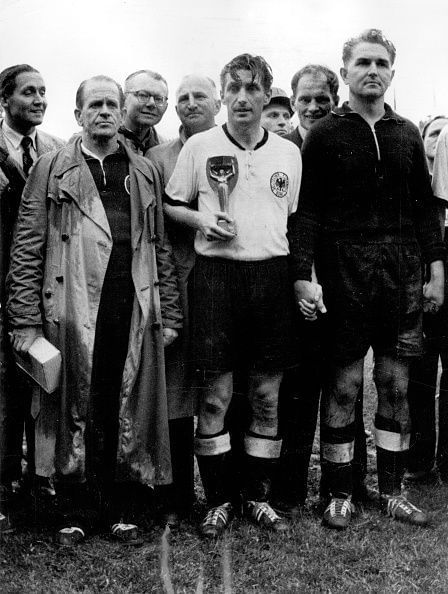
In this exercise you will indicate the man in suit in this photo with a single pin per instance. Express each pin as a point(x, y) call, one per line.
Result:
point(23, 101)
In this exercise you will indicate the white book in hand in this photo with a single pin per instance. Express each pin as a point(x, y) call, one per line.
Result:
point(42, 363)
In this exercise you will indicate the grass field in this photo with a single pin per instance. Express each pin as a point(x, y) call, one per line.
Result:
point(374, 555)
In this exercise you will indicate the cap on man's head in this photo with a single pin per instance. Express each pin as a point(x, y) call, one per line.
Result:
point(279, 97)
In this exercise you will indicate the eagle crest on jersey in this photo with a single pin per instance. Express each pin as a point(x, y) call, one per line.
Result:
point(279, 184)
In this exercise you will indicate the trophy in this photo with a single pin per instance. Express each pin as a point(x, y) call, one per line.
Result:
point(222, 175)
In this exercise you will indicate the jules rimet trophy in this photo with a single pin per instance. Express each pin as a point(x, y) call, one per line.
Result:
point(222, 174)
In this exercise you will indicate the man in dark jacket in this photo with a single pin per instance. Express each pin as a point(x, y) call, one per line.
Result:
point(315, 92)
point(89, 269)
point(146, 101)
point(367, 217)
point(23, 100)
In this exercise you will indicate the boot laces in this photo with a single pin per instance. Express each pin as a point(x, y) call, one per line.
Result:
point(399, 502)
point(216, 514)
point(262, 508)
point(340, 507)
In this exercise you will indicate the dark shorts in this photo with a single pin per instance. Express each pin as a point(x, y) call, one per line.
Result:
point(373, 293)
point(243, 315)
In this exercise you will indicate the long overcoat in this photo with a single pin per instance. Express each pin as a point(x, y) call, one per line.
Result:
point(59, 258)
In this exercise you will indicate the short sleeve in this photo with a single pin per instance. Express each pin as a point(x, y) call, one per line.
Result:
point(183, 184)
point(440, 171)
point(295, 183)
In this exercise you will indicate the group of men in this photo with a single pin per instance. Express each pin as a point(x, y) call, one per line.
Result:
point(234, 285)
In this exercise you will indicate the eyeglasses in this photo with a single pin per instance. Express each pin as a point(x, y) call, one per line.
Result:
point(145, 97)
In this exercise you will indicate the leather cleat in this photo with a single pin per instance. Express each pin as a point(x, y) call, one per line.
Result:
point(125, 532)
point(44, 487)
point(70, 536)
point(216, 520)
point(262, 514)
point(5, 525)
point(338, 513)
point(399, 508)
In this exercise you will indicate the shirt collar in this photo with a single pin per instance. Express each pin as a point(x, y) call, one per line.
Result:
point(88, 153)
point(236, 143)
point(182, 135)
point(302, 131)
point(345, 110)
point(15, 138)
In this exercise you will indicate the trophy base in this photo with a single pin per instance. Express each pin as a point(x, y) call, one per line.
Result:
point(230, 227)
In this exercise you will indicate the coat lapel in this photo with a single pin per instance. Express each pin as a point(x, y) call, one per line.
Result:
point(142, 195)
point(77, 182)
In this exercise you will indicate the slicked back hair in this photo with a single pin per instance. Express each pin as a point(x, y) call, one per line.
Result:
point(317, 70)
point(255, 64)
point(98, 77)
point(368, 36)
point(151, 73)
point(9, 76)
point(207, 78)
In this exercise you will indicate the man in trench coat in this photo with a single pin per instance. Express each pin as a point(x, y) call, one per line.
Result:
point(90, 271)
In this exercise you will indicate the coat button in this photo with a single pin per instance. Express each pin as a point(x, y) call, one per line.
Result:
point(59, 278)
point(48, 293)
point(64, 237)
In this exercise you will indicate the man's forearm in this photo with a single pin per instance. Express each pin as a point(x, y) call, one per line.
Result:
point(182, 215)
point(437, 271)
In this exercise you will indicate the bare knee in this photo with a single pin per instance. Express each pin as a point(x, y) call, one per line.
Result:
point(339, 396)
point(391, 378)
point(214, 404)
point(264, 402)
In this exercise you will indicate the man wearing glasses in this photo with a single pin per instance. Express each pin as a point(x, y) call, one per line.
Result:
point(146, 95)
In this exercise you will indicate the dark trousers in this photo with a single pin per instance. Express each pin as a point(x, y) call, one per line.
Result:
point(421, 395)
point(179, 496)
point(298, 412)
point(15, 417)
point(109, 354)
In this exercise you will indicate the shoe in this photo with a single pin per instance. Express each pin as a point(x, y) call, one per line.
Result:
point(5, 524)
point(399, 508)
point(70, 536)
point(216, 520)
point(125, 532)
point(261, 513)
point(44, 487)
point(338, 513)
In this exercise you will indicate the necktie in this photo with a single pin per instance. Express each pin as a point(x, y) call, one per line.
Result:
point(27, 158)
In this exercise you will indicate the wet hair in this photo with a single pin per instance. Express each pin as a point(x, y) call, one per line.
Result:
point(151, 73)
point(8, 78)
point(255, 64)
point(99, 77)
point(368, 36)
point(429, 121)
point(316, 70)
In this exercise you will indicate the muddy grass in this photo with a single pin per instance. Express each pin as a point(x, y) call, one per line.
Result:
point(374, 555)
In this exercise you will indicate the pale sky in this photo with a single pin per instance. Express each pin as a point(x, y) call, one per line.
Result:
point(69, 41)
